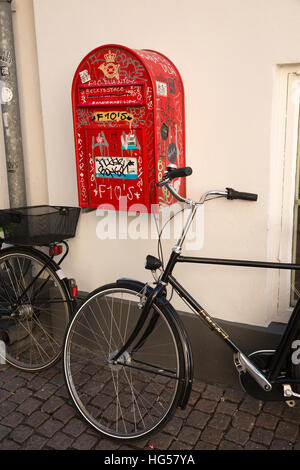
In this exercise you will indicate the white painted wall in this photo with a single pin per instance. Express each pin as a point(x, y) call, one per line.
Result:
point(227, 53)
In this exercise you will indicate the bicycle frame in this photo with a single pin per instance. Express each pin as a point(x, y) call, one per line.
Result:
point(292, 327)
point(242, 361)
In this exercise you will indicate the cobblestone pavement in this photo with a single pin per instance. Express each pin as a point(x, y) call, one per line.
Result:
point(36, 413)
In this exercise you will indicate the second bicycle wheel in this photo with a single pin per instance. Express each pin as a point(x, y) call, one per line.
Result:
point(135, 395)
point(34, 310)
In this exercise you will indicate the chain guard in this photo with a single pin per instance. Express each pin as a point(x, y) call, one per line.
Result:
point(262, 360)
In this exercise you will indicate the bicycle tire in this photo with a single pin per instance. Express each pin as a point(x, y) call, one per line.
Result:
point(34, 315)
point(136, 397)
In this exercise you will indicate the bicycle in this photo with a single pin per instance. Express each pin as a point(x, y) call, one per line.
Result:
point(36, 298)
point(127, 359)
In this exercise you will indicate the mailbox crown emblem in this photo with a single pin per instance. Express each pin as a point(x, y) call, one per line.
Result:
point(110, 68)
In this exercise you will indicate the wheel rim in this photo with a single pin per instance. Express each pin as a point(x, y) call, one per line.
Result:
point(32, 328)
point(135, 396)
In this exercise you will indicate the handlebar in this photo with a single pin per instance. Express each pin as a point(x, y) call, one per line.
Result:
point(173, 172)
point(233, 194)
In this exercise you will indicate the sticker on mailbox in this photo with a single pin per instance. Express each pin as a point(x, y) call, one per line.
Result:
point(116, 167)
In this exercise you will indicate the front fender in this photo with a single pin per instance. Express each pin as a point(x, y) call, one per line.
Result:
point(186, 385)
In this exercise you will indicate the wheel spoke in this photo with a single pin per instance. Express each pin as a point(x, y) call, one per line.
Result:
point(132, 396)
point(34, 319)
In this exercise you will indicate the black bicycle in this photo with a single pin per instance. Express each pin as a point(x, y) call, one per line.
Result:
point(127, 358)
point(36, 298)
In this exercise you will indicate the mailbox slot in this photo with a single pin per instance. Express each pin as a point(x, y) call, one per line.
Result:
point(108, 95)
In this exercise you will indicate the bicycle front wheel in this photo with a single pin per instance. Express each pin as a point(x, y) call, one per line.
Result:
point(135, 395)
point(34, 310)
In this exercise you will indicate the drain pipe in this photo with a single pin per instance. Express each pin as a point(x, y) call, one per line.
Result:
point(9, 97)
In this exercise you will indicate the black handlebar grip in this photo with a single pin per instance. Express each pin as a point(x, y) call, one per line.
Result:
point(180, 172)
point(233, 194)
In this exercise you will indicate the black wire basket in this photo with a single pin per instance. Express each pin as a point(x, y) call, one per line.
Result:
point(39, 225)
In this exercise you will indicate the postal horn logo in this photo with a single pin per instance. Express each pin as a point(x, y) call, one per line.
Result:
point(110, 68)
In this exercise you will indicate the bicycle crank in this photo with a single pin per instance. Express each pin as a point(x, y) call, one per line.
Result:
point(248, 379)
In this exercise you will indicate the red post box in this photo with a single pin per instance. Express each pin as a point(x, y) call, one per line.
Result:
point(128, 114)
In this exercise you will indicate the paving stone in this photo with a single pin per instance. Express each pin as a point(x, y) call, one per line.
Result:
point(198, 419)
point(21, 395)
point(36, 419)
point(189, 435)
point(229, 445)
point(254, 446)
point(46, 391)
point(58, 379)
point(211, 435)
point(262, 436)
point(4, 394)
point(237, 436)
point(194, 397)
point(53, 404)
point(13, 419)
point(220, 421)
point(13, 384)
point(201, 445)
point(37, 383)
point(63, 393)
point(179, 445)
point(49, 373)
point(60, 441)
point(106, 444)
point(8, 372)
point(173, 426)
point(250, 405)
point(161, 441)
point(275, 408)
point(266, 420)
point(198, 386)
point(7, 407)
point(4, 431)
point(21, 433)
point(244, 421)
point(75, 427)
point(279, 444)
point(50, 427)
point(212, 392)
point(286, 431)
point(208, 406)
point(233, 395)
point(84, 442)
point(226, 408)
point(35, 442)
point(7, 444)
point(291, 414)
point(29, 406)
point(65, 413)
point(183, 414)
point(36, 413)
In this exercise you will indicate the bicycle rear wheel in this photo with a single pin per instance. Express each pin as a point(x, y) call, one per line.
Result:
point(136, 395)
point(34, 310)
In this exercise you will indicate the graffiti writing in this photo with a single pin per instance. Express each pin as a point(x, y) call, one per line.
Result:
point(116, 167)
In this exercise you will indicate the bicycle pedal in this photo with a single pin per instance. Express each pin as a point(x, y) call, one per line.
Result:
point(288, 392)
